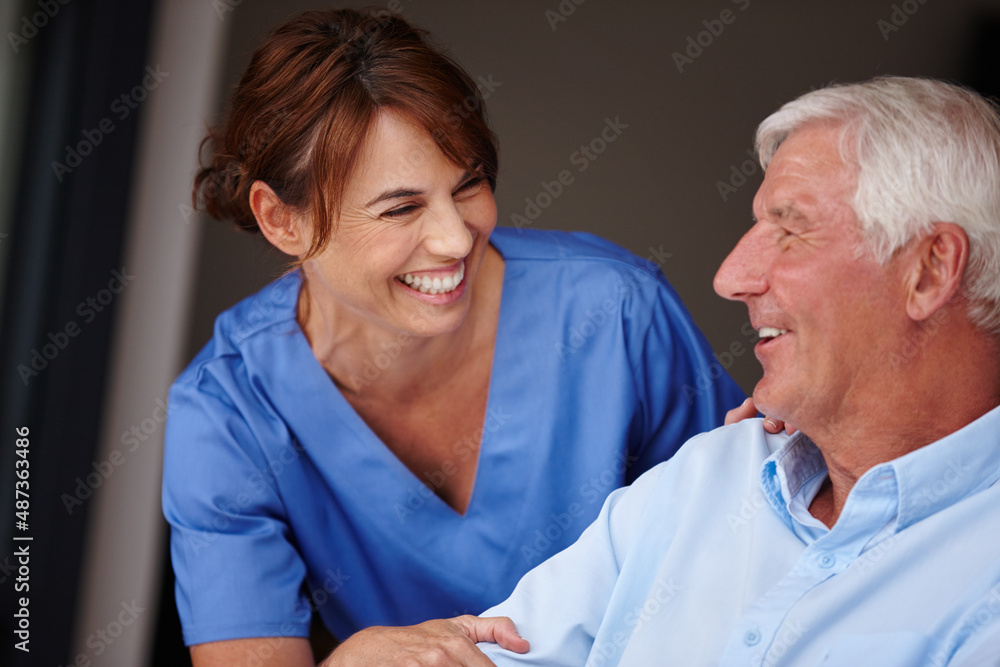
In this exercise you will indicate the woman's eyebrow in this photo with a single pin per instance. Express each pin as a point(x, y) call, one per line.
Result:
point(394, 194)
point(467, 175)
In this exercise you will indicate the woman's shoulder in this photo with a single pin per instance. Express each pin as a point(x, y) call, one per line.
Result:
point(594, 265)
point(575, 249)
point(524, 243)
point(240, 330)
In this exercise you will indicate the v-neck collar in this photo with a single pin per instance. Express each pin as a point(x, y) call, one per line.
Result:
point(381, 486)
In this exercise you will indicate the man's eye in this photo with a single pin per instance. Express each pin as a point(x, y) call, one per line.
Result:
point(784, 237)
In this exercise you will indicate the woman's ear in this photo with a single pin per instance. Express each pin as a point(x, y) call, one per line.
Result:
point(943, 255)
point(284, 229)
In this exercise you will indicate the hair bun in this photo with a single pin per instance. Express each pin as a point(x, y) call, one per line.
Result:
point(221, 188)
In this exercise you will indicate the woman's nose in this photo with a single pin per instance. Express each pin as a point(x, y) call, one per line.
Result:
point(447, 235)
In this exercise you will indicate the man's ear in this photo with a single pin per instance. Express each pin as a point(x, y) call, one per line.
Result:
point(942, 256)
point(279, 224)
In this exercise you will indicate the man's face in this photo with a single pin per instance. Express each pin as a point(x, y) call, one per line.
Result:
point(828, 315)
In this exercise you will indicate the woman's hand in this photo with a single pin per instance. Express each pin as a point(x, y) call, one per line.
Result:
point(748, 410)
point(450, 642)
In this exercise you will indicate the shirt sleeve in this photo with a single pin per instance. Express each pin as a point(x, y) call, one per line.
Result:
point(683, 390)
point(982, 646)
point(560, 605)
point(987, 655)
point(238, 573)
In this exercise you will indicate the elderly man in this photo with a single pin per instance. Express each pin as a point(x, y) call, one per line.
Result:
point(872, 535)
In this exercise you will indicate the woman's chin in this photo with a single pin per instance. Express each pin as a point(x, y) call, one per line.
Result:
point(429, 324)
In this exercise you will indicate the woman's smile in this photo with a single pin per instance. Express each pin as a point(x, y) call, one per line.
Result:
point(436, 281)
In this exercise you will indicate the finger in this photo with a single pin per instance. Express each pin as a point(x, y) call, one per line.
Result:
point(745, 410)
point(456, 650)
point(772, 425)
point(789, 429)
point(498, 630)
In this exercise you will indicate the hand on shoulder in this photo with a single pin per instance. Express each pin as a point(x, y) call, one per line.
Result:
point(747, 410)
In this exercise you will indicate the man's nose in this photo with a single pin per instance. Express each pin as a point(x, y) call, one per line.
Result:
point(742, 272)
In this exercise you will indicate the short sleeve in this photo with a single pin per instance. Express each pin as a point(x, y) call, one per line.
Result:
point(683, 390)
point(238, 572)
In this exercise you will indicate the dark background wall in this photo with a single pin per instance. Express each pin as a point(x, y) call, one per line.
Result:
point(558, 70)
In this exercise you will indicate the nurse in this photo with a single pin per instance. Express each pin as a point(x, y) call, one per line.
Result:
point(427, 406)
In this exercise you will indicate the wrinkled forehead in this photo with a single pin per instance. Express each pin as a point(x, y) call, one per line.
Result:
point(807, 171)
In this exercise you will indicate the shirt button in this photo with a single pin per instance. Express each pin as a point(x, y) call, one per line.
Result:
point(827, 560)
point(751, 638)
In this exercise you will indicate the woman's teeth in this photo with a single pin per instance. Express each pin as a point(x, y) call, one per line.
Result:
point(437, 285)
point(771, 332)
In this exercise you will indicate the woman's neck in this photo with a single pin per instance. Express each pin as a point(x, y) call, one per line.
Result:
point(364, 358)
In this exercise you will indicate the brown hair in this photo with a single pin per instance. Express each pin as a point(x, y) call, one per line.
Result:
point(306, 103)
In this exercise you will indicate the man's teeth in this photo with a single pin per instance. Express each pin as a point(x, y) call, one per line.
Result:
point(771, 332)
point(436, 285)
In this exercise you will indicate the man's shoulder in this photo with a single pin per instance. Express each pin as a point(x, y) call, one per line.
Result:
point(721, 456)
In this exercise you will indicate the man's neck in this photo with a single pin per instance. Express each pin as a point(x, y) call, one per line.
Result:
point(932, 399)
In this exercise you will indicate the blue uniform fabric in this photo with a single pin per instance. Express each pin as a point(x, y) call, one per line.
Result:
point(274, 486)
point(712, 558)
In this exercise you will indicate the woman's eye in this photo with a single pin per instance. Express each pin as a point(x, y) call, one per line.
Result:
point(400, 212)
point(470, 184)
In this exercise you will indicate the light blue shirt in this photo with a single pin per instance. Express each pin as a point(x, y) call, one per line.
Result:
point(284, 503)
point(713, 559)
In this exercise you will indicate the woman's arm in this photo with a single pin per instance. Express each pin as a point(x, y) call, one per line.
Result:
point(682, 388)
point(442, 643)
point(238, 572)
point(261, 651)
point(448, 642)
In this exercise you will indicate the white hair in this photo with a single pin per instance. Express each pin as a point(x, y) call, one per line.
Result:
point(927, 152)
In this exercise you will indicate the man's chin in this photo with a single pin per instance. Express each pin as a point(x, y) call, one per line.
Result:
point(767, 404)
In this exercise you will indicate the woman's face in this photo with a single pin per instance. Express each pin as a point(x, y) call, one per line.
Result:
point(411, 235)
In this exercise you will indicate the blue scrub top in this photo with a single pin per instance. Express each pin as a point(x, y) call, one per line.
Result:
point(282, 501)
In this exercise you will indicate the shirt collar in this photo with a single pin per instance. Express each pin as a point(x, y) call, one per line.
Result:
point(787, 470)
point(928, 479)
point(944, 472)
